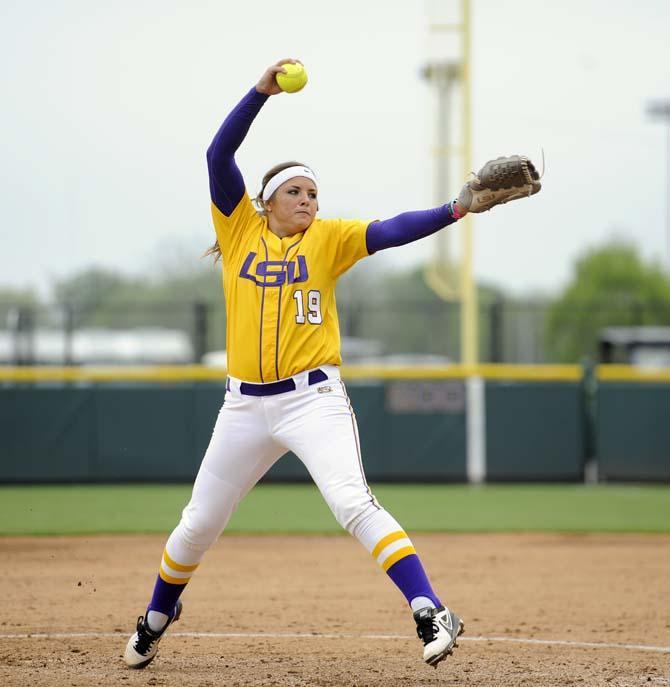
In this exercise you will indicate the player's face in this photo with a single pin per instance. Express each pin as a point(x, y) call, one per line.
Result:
point(292, 207)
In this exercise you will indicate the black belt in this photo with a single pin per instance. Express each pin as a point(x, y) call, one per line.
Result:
point(280, 387)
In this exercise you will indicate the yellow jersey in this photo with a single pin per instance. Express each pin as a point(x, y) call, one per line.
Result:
point(280, 293)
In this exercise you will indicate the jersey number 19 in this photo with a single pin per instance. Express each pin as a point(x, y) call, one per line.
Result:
point(313, 307)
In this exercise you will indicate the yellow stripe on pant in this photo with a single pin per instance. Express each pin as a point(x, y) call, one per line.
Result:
point(173, 580)
point(388, 539)
point(392, 548)
point(178, 566)
point(175, 573)
point(398, 555)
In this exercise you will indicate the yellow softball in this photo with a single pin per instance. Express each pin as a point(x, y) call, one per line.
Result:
point(294, 79)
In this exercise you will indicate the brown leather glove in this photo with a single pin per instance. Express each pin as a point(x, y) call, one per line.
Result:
point(498, 182)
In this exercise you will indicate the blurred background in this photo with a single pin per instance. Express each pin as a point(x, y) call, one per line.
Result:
point(108, 110)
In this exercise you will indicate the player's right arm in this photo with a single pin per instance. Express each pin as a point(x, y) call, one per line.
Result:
point(226, 185)
point(225, 179)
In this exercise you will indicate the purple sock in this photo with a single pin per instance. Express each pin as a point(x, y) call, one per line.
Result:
point(410, 578)
point(165, 596)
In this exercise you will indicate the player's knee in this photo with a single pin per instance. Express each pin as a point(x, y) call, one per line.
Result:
point(202, 527)
point(198, 533)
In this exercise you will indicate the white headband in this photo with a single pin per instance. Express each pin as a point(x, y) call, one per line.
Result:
point(280, 177)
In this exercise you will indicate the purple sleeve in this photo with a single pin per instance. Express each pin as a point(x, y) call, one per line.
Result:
point(226, 185)
point(407, 227)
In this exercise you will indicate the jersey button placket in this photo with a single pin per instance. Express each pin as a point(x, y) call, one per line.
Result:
point(273, 275)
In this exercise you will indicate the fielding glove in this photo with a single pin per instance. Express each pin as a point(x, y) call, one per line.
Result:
point(498, 182)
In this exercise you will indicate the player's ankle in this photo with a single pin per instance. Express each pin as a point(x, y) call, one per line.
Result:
point(419, 602)
point(157, 620)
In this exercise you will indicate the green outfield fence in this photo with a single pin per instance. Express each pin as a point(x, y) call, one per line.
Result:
point(483, 423)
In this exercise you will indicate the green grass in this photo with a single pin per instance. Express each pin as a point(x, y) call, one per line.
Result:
point(31, 510)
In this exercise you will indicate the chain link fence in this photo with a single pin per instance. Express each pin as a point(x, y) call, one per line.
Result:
point(372, 332)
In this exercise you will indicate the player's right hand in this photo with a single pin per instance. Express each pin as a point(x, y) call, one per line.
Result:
point(268, 83)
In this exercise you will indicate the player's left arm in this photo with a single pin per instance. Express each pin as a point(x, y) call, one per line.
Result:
point(351, 240)
point(499, 181)
point(411, 226)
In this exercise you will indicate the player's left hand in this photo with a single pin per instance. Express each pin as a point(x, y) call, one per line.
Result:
point(268, 82)
point(498, 182)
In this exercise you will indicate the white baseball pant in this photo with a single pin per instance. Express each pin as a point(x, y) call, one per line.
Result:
point(316, 422)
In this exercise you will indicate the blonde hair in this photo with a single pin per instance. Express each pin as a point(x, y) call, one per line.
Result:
point(215, 249)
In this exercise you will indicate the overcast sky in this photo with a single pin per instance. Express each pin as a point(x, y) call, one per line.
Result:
point(108, 108)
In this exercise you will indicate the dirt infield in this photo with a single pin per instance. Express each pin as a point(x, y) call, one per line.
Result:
point(316, 611)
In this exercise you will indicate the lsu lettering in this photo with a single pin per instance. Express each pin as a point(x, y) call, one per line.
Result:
point(275, 272)
point(280, 293)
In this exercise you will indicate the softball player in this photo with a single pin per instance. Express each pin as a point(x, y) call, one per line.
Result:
point(284, 392)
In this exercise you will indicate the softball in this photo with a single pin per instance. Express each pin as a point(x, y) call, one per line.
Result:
point(294, 79)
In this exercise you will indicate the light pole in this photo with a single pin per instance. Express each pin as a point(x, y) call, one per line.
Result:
point(444, 73)
point(660, 110)
point(442, 272)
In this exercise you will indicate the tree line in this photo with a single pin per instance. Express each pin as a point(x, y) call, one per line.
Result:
point(610, 285)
